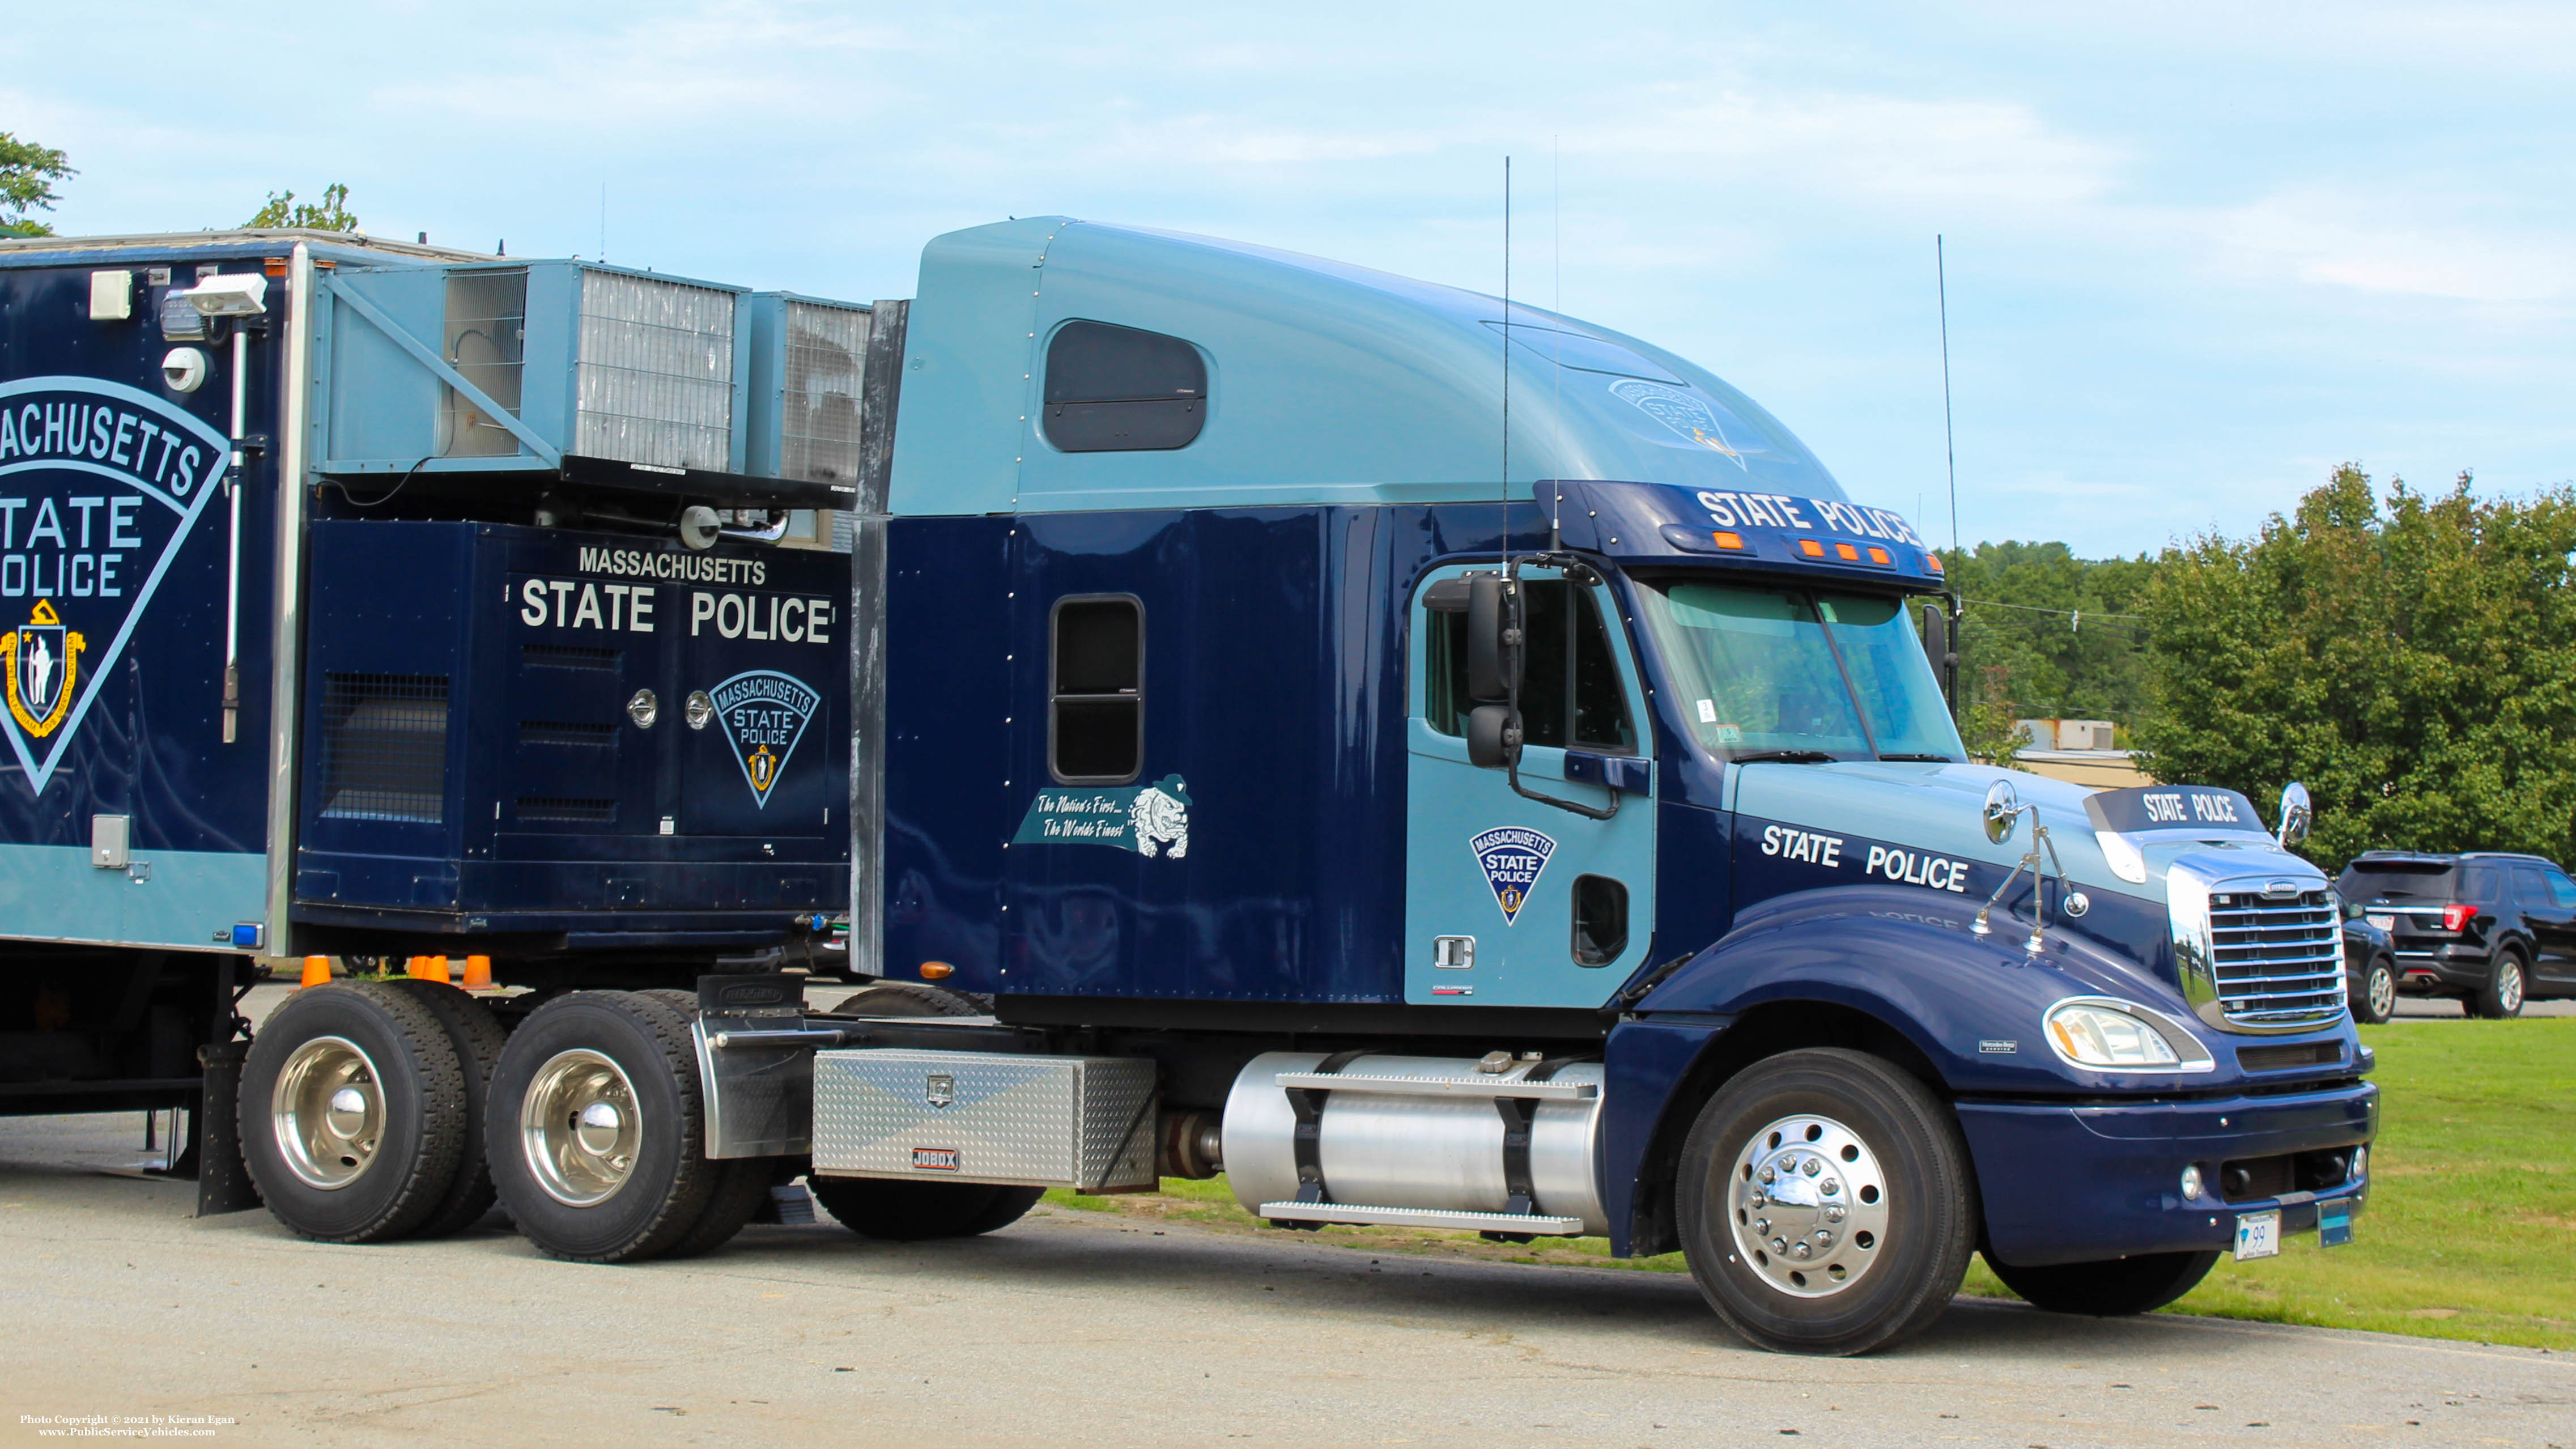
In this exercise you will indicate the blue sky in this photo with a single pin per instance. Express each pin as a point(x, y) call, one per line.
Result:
point(2199, 253)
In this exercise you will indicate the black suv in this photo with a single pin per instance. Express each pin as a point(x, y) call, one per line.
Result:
point(2488, 928)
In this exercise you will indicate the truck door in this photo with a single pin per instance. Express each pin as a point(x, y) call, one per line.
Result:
point(1510, 901)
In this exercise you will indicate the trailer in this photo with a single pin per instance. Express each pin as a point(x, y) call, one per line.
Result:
point(1437, 762)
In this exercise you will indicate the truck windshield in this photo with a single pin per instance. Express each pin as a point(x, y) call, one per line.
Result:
point(1797, 672)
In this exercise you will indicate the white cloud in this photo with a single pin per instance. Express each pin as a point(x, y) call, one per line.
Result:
point(2376, 243)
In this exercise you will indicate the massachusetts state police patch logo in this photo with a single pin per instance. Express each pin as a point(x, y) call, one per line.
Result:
point(100, 486)
point(763, 714)
point(1511, 858)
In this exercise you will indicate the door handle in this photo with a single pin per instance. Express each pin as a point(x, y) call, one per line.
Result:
point(1624, 773)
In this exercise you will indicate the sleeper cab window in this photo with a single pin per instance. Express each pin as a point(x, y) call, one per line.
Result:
point(1096, 691)
point(1122, 390)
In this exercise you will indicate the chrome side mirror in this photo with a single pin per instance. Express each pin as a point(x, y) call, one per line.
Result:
point(2296, 815)
point(2002, 812)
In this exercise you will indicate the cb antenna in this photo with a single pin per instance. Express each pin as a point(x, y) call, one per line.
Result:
point(1507, 364)
point(1556, 336)
point(1949, 438)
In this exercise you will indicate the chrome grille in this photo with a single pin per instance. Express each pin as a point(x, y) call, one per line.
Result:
point(2277, 961)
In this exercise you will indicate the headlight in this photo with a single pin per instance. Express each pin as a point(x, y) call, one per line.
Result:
point(2101, 1035)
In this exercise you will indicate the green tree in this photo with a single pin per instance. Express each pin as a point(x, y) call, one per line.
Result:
point(284, 210)
point(2414, 662)
point(27, 176)
point(1986, 719)
point(2048, 635)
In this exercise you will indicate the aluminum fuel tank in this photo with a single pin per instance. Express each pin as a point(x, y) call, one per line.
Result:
point(1382, 1149)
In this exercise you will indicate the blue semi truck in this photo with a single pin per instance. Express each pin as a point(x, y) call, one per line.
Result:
point(1440, 764)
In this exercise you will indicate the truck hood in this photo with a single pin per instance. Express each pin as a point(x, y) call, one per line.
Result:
point(2120, 857)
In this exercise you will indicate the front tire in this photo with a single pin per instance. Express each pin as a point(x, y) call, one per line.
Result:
point(2113, 1289)
point(2507, 982)
point(901, 1211)
point(2374, 998)
point(596, 1131)
point(1826, 1204)
point(352, 1113)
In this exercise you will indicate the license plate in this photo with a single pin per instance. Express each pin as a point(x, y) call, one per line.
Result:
point(2385, 923)
point(2258, 1235)
point(2334, 1222)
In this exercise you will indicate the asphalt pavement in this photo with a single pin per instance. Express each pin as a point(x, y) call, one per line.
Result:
point(1076, 1329)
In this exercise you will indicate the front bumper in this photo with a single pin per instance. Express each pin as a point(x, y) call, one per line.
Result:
point(2080, 1182)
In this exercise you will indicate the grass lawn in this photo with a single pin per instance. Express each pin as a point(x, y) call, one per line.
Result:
point(2470, 1232)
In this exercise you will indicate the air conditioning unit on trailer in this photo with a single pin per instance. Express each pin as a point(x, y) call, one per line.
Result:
point(561, 366)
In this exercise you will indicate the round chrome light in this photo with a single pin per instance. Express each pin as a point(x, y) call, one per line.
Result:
point(2360, 1164)
point(2191, 1186)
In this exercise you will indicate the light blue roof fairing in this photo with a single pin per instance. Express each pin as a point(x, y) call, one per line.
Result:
point(1327, 383)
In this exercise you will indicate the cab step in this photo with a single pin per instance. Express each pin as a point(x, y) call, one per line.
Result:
point(1397, 1217)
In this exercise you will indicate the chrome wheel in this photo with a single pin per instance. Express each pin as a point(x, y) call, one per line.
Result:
point(579, 1127)
point(2382, 987)
point(1809, 1206)
point(328, 1109)
point(2508, 985)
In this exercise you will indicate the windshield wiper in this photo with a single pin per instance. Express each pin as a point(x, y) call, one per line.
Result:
point(1930, 759)
point(1784, 757)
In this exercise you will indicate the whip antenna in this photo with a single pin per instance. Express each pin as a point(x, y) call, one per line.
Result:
point(1949, 438)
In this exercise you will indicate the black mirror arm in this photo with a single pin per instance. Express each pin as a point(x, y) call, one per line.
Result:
point(1512, 772)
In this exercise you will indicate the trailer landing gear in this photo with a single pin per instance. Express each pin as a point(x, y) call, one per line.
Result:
point(1825, 1203)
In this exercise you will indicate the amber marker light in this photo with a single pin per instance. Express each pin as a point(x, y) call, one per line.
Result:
point(1932, 561)
point(1728, 540)
point(936, 970)
point(1878, 555)
point(1848, 553)
point(1811, 548)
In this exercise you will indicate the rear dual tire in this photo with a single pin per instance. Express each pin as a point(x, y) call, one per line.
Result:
point(353, 1115)
point(598, 1133)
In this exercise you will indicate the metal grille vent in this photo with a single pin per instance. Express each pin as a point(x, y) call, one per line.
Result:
point(568, 656)
point(384, 747)
point(2277, 961)
point(567, 807)
point(567, 732)
point(655, 372)
point(827, 350)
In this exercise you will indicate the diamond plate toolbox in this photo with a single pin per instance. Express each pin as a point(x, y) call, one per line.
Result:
point(1078, 1122)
